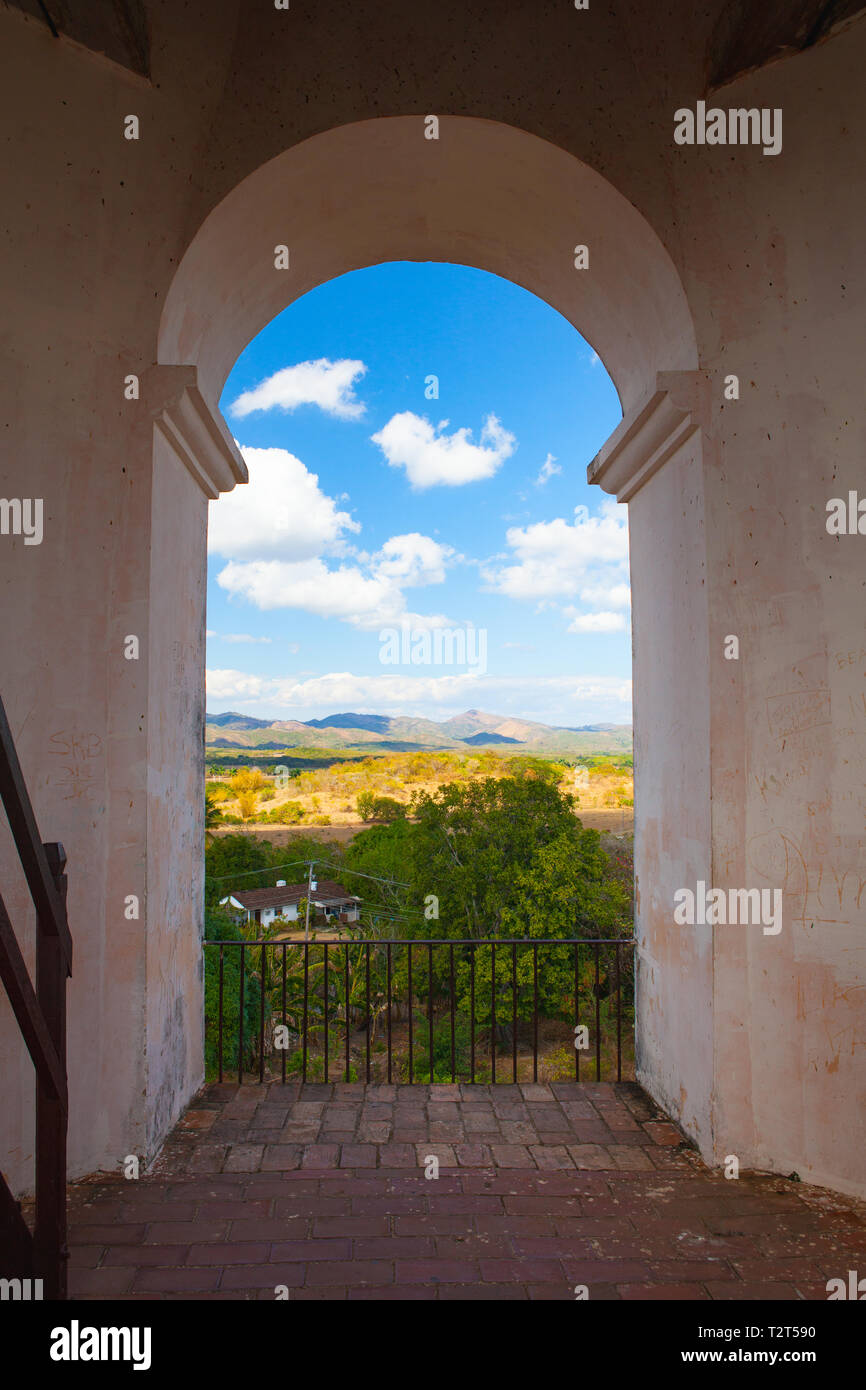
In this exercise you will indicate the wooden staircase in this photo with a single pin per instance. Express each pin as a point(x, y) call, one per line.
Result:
point(41, 1016)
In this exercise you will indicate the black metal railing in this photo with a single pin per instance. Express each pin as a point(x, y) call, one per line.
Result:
point(41, 1017)
point(334, 1010)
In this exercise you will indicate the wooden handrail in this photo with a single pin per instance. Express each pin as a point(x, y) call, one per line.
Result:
point(31, 851)
point(25, 1006)
point(41, 1016)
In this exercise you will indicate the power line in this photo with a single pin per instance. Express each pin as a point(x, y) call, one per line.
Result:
point(267, 869)
point(375, 878)
point(339, 868)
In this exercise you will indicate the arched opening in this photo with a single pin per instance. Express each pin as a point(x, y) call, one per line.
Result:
point(483, 194)
point(493, 197)
point(419, 590)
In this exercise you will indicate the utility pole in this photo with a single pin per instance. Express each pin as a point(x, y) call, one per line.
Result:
point(310, 888)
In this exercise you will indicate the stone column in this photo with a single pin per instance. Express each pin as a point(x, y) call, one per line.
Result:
point(109, 733)
point(750, 766)
point(654, 462)
point(194, 460)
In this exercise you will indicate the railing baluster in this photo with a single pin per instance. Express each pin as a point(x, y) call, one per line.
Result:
point(388, 1002)
point(453, 1050)
point(576, 1012)
point(347, 1012)
point(241, 1023)
point(430, 1004)
point(618, 1016)
point(368, 1012)
point(220, 1023)
point(535, 1011)
point(493, 1014)
point(472, 1012)
point(325, 948)
point(514, 1010)
point(263, 984)
point(410, 1013)
point(285, 1021)
point(597, 1020)
point(306, 1011)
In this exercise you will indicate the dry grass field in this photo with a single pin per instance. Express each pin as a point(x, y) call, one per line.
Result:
point(324, 802)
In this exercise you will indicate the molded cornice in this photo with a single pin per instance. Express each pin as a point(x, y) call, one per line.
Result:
point(198, 435)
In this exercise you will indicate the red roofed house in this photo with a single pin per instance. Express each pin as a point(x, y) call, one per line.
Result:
point(263, 905)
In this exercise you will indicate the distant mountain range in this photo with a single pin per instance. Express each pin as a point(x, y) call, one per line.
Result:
point(389, 733)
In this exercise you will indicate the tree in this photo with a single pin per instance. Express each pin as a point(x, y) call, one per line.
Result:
point(218, 926)
point(234, 856)
point(212, 814)
point(478, 847)
point(248, 779)
point(247, 804)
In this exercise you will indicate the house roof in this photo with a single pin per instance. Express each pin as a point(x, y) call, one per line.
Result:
point(326, 893)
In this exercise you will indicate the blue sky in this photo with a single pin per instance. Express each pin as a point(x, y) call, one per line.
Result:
point(380, 521)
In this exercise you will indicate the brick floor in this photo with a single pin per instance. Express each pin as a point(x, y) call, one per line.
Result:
point(322, 1192)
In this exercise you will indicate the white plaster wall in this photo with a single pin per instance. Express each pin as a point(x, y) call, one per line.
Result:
point(175, 797)
point(672, 697)
point(769, 254)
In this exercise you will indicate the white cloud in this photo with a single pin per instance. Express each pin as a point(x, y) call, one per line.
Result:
point(595, 622)
point(568, 700)
point(234, 685)
point(413, 559)
point(365, 599)
point(281, 511)
point(242, 637)
point(547, 471)
point(605, 595)
point(551, 558)
point(329, 385)
point(431, 457)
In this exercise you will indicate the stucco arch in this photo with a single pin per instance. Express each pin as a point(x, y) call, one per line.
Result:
point(499, 199)
point(484, 194)
point(753, 1042)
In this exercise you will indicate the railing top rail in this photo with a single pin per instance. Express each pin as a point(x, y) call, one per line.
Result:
point(436, 941)
point(31, 851)
point(28, 1012)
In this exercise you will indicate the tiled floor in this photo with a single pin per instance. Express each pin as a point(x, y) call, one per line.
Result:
point(323, 1192)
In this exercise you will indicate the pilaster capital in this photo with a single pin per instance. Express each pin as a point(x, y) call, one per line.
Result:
point(197, 434)
point(650, 434)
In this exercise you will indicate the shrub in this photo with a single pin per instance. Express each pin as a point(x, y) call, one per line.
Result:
point(247, 802)
point(442, 1049)
point(386, 809)
point(218, 926)
point(287, 813)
